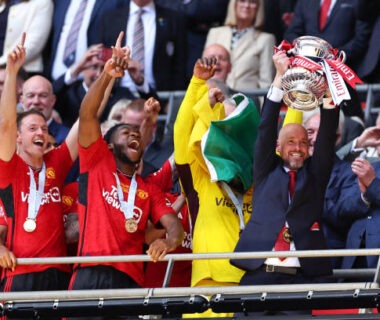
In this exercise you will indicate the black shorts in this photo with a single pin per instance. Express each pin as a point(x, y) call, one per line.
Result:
point(47, 280)
point(101, 277)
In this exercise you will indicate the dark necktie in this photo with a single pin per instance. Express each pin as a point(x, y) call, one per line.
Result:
point(323, 13)
point(284, 237)
point(72, 38)
point(138, 40)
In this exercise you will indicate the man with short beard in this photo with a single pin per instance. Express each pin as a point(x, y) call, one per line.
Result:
point(114, 202)
point(281, 214)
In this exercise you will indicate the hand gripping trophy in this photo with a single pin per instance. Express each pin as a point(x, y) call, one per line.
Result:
point(315, 66)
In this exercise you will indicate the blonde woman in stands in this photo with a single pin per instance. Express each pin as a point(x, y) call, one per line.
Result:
point(33, 16)
point(250, 48)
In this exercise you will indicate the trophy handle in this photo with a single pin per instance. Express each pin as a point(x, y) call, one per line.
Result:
point(342, 56)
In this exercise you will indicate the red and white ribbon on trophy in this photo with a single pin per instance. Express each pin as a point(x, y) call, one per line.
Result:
point(337, 73)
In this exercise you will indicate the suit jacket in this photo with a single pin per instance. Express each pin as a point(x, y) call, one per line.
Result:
point(169, 57)
point(271, 206)
point(35, 18)
point(58, 131)
point(371, 61)
point(364, 218)
point(335, 226)
point(343, 30)
point(69, 99)
point(252, 66)
point(60, 9)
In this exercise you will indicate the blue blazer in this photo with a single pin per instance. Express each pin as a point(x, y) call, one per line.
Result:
point(335, 226)
point(60, 9)
point(169, 57)
point(343, 29)
point(271, 206)
point(58, 131)
point(365, 220)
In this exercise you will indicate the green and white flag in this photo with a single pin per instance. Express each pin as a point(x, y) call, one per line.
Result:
point(228, 145)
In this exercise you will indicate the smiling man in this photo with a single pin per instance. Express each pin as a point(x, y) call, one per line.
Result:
point(31, 181)
point(114, 201)
point(287, 217)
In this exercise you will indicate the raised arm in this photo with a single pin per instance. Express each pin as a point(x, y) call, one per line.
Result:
point(8, 102)
point(89, 125)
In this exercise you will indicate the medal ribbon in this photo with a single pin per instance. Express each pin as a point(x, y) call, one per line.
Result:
point(238, 203)
point(35, 196)
point(127, 206)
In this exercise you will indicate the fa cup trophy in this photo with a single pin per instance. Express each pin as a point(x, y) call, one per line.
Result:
point(305, 82)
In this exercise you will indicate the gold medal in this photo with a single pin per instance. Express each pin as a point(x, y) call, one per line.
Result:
point(30, 225)
point(131, 225)
point(287, 236)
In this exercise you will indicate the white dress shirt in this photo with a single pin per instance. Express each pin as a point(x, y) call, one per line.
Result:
point(59, 68)
point(149, 22)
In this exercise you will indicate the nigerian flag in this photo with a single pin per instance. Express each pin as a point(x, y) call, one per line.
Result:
point(228, 144)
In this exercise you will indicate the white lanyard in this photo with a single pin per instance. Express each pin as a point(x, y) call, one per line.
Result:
point(127, 206)
point(237, 201)
point(35, 196)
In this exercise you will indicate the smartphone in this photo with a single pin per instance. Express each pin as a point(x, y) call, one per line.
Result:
point(105, 54)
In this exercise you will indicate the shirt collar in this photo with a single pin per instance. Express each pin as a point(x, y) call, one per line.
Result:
point(134, 8)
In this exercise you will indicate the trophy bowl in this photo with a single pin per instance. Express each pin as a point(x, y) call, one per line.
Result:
point(312, 47)
point(303, 89)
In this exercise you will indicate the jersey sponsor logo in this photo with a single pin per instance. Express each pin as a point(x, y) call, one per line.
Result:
point(225, 202)
point(111, 198)
point(52, 195)
point(139, 193)
point(187, 241)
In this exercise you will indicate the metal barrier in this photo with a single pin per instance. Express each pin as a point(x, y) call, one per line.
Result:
point(172, 302)
point(174, 99)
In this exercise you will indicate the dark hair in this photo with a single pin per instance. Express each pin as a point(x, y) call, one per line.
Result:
point(22, 115)
point(111, 131)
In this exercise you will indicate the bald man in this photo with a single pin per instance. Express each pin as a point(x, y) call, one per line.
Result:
point(37, 93)
point(282, 215)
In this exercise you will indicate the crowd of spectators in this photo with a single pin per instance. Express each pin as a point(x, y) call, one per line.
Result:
point(78, 70)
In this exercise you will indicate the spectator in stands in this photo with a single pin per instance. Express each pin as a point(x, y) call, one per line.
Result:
point(295, 204)
point(215, 218)
point(22, 75)
point(278, 16)
point(108, 172)
point(33, 16)
point(250, 48)
point(361, 206)
point(199, 21)
point(81, 31)
point(366, 146)
point(308, 19)
point(23, 161)
point(223, 66)
point(71, 90)
point(369, 66)
point(37, 93)
point(341, 178)
point(161, 43)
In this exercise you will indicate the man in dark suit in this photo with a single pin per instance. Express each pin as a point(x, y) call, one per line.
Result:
point(165, 43)
point(70, 94)
point(277, 214)
point(360, 205)
point(60, 20)
point(344, 29)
